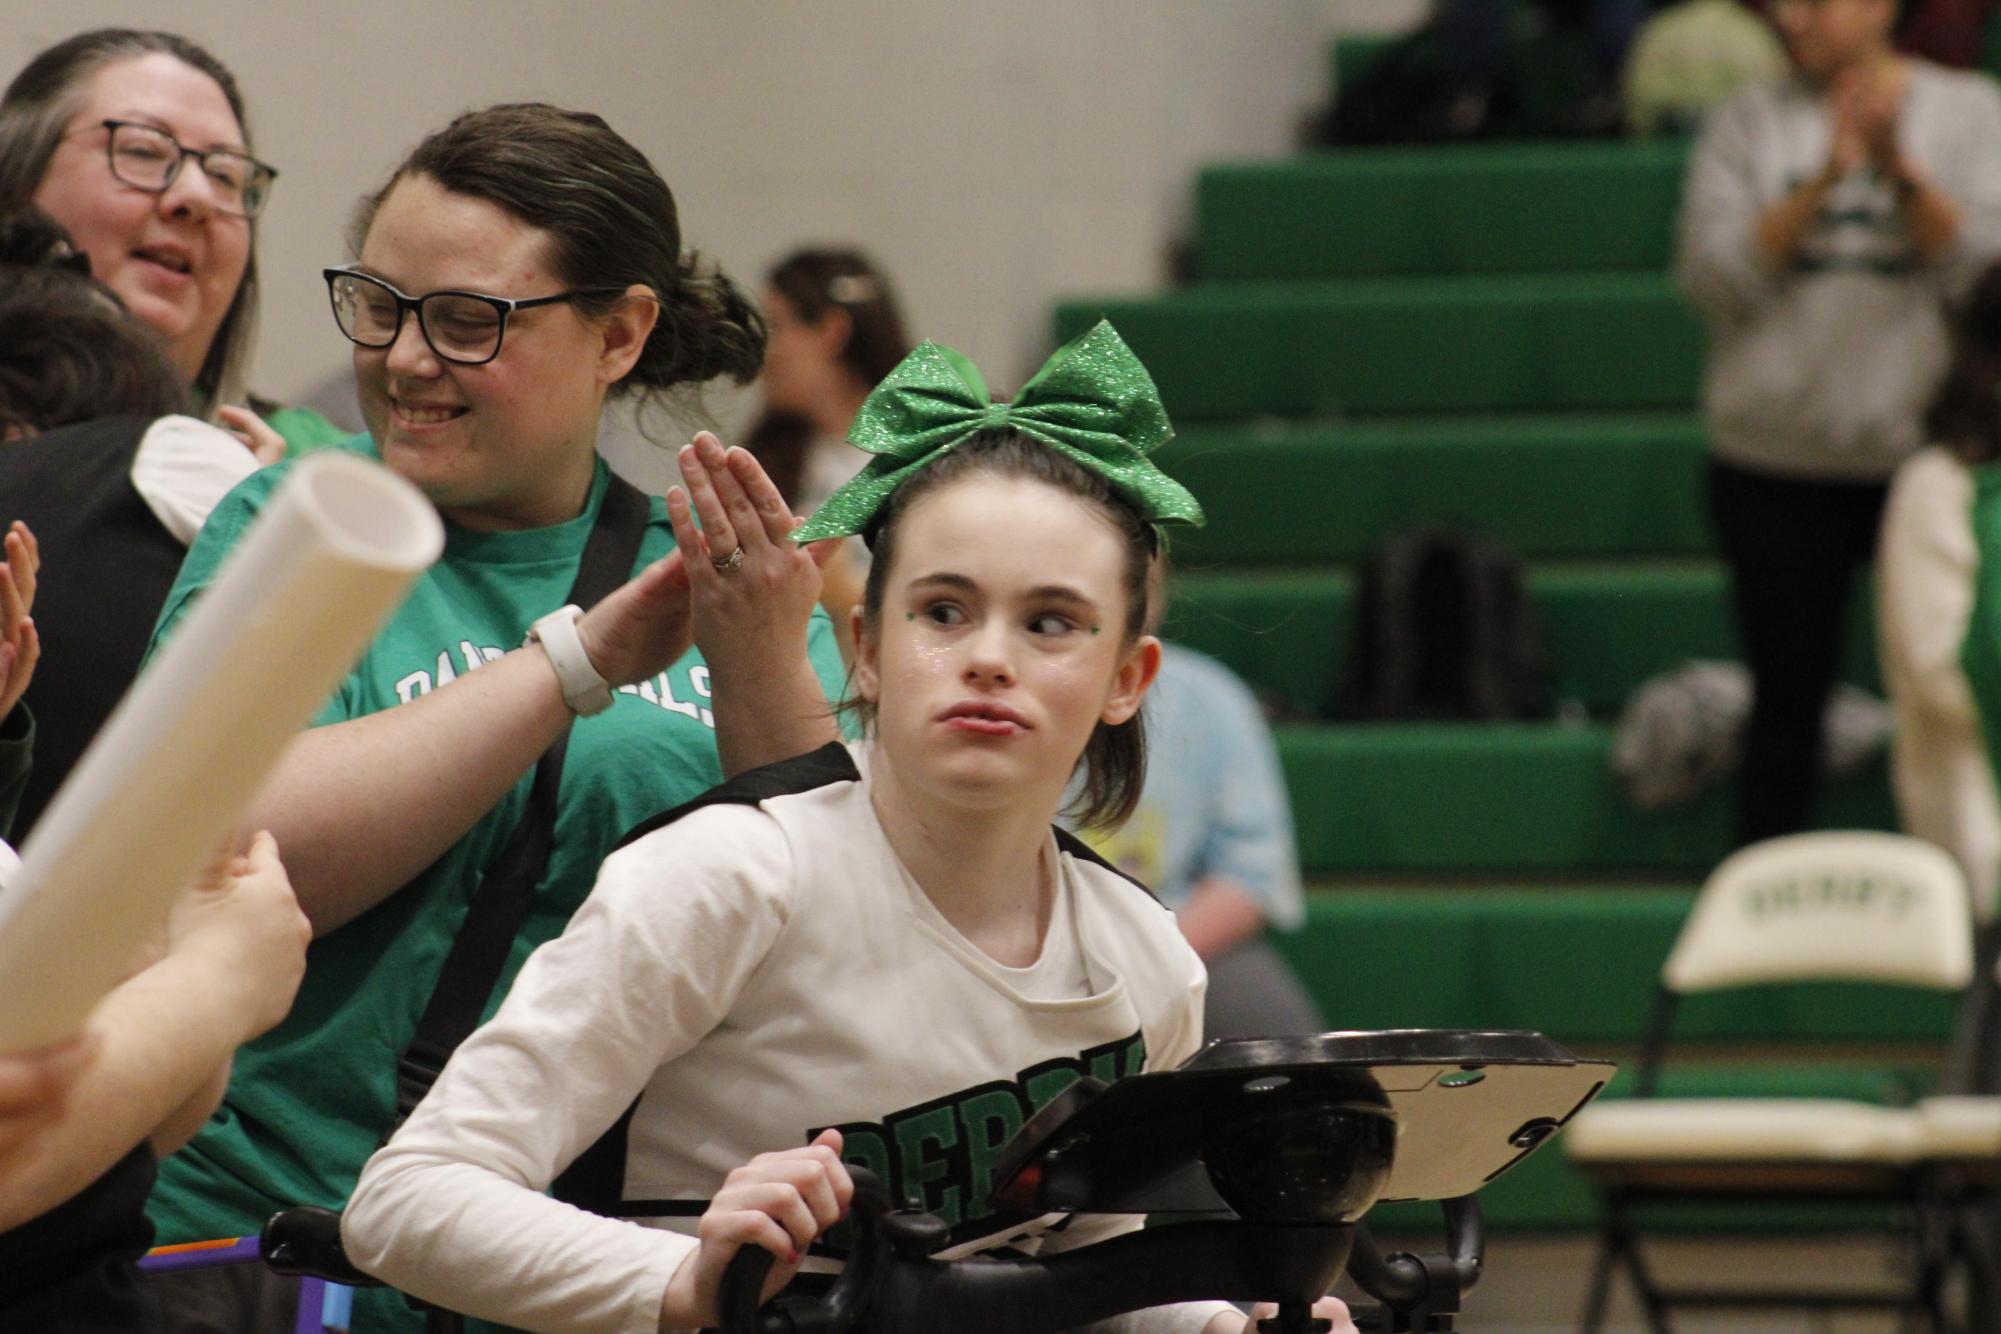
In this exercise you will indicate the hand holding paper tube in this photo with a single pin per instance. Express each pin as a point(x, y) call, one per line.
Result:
point(184, 752)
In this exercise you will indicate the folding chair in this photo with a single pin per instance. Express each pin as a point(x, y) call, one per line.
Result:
point(1874, 908)
point(1961, 1132)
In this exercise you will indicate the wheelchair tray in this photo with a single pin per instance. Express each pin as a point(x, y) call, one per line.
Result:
point(1468, 1106)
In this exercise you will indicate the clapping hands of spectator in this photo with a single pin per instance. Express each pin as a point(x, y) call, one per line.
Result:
point(20, 646)
point(1866, 107)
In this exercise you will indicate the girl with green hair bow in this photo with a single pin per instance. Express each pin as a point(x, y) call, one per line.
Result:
point(882, 953)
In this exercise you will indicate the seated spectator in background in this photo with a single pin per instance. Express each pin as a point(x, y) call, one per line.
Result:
point(1927, 571)
point(1212, 837)
point(835, 332)
point(1478, 32)
point(1825, 221)
point(1492, 69)
point(99, 131)
point(113, 481)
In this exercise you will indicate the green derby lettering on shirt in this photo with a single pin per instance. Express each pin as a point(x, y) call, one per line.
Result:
point(943, 1152)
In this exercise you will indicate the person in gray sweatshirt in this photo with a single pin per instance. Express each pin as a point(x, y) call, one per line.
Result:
point(1828, 221)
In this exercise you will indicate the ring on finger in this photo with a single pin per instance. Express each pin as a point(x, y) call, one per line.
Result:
point(731, 563)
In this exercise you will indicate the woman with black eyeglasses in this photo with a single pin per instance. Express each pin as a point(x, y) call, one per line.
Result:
point(521, 267)
point(136, 142)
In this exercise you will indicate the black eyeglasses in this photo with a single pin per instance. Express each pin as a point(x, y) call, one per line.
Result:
point(464, 328)
point(147, 158)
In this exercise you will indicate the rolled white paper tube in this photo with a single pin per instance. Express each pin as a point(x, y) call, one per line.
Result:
point(169, 775)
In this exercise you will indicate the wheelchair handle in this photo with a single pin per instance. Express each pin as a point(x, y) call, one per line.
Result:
point(742, 1292)
point(1423, 1285)
point(738, 1299)
point(305, 1242)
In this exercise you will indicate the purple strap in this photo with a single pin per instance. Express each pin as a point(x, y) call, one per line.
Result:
point(240, 1250)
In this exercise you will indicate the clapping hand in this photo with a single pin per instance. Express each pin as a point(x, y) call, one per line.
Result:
point(737, 583)
point(753, 586)
point(20, 645)
point(1865, 110)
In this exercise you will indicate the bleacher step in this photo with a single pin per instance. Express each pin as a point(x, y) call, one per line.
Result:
point(1507, 797)
point(1483, 208)
point(1575, 342)
point(1610, 626)
point(1579, 963)
point(1550, 485)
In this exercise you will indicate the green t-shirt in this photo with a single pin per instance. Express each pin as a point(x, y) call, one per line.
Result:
point(304, 430)
point(309, 1100)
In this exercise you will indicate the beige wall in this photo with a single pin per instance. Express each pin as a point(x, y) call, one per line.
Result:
point(993, 155)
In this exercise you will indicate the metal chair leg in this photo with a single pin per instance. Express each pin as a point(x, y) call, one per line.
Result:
point(1619, 1243)
point(1649, 1292)
point(1600, 1291)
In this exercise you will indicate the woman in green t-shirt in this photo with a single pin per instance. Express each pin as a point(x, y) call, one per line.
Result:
point(521, 267)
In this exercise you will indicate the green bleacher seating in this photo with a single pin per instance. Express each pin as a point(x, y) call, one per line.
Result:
point(1571, 485)
point(1504, 798)
point(1515, 343)
point(1611, 626)
point(1452, 958)
point(1488, 208)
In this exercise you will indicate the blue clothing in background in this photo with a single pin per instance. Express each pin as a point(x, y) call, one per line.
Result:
point(1215, 801)
point(1215, 805)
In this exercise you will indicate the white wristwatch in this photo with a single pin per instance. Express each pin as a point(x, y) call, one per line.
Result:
point(584, 690)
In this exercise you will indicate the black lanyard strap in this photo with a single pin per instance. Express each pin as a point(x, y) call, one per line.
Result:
point(500, 905)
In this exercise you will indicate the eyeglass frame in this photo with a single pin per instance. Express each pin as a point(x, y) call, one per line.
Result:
point(502, 305)
point(201, 157)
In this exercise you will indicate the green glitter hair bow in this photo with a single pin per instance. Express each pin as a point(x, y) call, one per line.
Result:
point(1092, 401)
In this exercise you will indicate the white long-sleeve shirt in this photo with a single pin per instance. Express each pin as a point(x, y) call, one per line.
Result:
point(1925, 571)
point(741, 979)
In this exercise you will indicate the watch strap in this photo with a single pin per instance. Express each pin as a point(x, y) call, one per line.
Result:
point(586, 692)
